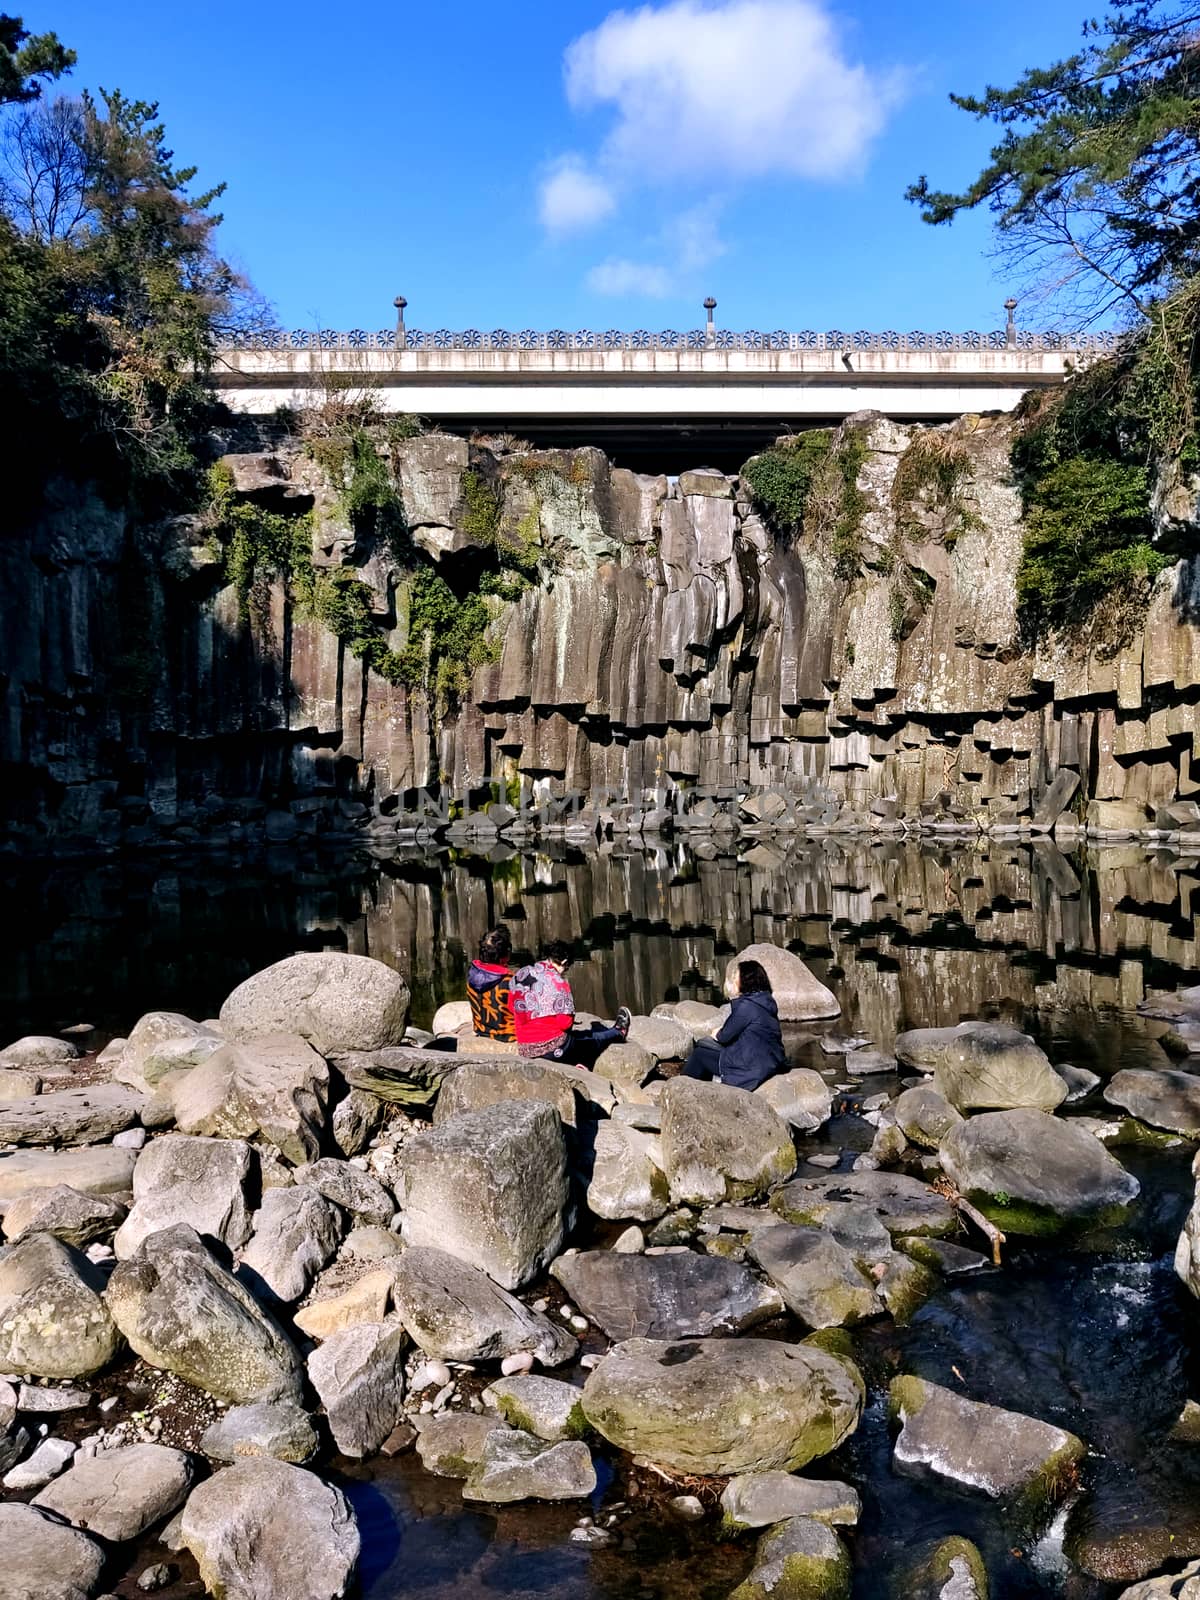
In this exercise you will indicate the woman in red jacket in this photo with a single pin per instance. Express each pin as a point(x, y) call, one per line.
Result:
point(544, 1013)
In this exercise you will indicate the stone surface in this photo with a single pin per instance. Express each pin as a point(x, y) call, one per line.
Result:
point(800, 996)
point(119, 1494)
point(359, 1376)
point(451, 1445)
point(88, 1115)
point(296, 1231)
point(1033, 1173)
point(95, 1170)
point(278, 1428)
point(799, 1560)
point(925, 1117)
point(365, 1300)
point(627, 1179)
point(17, 1084)
point(182, 1311)
point(355, 1120)
point(201, 1182)
point(475, 1085)
point(144, 1061)
point(38, 1050)
point(983, 1066)
point(491, 1188)
point(761, 1499)
point(337, 1002)
point(45, 1559)
point(356, 1192)
point(546, 1407)
point(677, 1296)
point(70, 1215)
point(454, 1311)
point(952, 1569)
point(818, 1279)
point(1169, 1100)
point(264, 1530)
point(723, 1406)
point(720, 1143)
point(801, 1097)
point(661, 1038)
point(902, 1204)
point(514, 1466)
point(53, 1321)
point(46, 1462)
point(273, 1086)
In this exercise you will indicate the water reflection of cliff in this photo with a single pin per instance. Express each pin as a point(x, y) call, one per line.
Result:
point(908, 934)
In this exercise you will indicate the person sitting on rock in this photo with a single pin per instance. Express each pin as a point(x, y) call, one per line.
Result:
point(489, 980)
point(544, 1013)
point(747, 1049)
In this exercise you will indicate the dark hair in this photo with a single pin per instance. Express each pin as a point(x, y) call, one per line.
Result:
point(752, 978)
point(496, 945)
point(557, 950)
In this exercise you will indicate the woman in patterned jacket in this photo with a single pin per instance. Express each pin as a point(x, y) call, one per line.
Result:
point(544, 1013)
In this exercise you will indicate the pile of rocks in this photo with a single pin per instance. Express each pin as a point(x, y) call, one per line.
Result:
point(342, 1241)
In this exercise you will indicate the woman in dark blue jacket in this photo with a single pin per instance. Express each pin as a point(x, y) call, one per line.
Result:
point(748, 1047)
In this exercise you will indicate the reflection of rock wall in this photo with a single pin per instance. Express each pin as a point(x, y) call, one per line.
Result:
point(675, 654)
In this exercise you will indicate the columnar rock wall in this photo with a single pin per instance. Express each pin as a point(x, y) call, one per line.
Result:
point(674, 660)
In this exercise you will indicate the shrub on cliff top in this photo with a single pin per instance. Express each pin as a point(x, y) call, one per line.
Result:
point(779, 479)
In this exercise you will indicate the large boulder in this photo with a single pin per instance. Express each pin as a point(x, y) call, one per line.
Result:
point(546, 1407)
point(183, 1313)
point(627, 1179)
point(516, 1466)
point(800, 996)
point(278, 1428)
point(1181, 1585)
point(455, 1312)
point(946, 1437)
point(399, 1074)
point(661, 1038)
point(489, 1187)
point(45, 1559)
point(1169, 1100)
point(818, 1279)
point(359, 1376)
point(450, 1443)
point(163, 1042)
point(337, 1002)
point(903, 1205)
point(801, 1097)
point(274, 1087)
point(984, 1066)
point(119, 1494)
point(355, 1191)
point(70, 1215)
point(761, 1499)
point(801, 1559)
point(89, 1115)
point(475, 1085)
point(95, 1169)
point(723, 1406)
point(296, 1232)
point(53, 1321)
point(924, 1117)
point(1033, 1173)
point(200, 1182)
point(721, 1143)
point(264, 1530)
point(39, 1050)
point(677, 1296)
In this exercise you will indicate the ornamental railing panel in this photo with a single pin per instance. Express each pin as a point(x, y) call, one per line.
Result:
point(944, 341)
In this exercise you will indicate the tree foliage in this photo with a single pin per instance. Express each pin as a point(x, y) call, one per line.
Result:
point(26, 59)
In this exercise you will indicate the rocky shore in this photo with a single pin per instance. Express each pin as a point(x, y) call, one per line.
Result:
point(242, 1249)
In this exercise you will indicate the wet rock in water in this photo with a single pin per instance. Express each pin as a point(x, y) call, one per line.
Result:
point(355, 1191)
point(451, 1446)
point(1182, 1006)
point(359, 1376)
point(800, 996)
point(53, 1320)
point(47, 1461)
point(119, 1494)
point(94, 1169)
point(337, 1002)
point(296, 1231)
point(76, 1218)
point(952, 1569)
point(723, 1406)
point(925, 1117)
point(1001, 1454)
point(1181, 1585)
point(38, 1050)
point(90, 1115)
point(860, 1232)
point(1169, 1100)
point(905, 1286)
point(489, 1187)
point(183, 1313)
point(365, 1300)
point(902, 1204)
point(263, 1530)
point(799, 1560)
point(684, 1296)
point(515, 1466)
point(761, 1499)
point(721, 1143)
point(816, 1276)
point(355, 1121)
point(278, 1428)
point(546, 1407)
point(275, 1087)
point(454, 1311)
point(45, 1559)
point(1033, 1173)
point(475, 1085)
point(627, 1178)
point(942, 1255)
point(200, 1182)
point(800, 1097)
point(1079, 1081)
point(1187, 1249)
point(984, 1066)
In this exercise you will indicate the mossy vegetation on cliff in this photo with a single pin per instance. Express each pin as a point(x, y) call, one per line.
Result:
point(809, 482)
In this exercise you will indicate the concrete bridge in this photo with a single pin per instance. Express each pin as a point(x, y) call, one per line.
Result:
point(707, 394)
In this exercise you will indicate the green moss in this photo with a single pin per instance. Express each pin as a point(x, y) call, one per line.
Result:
point(480, 516)
point(780, 479)
point(1019, 1217)
point(906, 1397)
point(516, 1416)
point(448, 636)
point(928, 1578)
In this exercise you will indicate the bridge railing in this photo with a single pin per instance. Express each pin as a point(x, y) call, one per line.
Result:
point(668, 339)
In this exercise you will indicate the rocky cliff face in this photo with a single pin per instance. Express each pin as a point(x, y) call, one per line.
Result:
point(674, 664)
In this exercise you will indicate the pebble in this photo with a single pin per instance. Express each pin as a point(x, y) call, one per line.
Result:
point(590, 1535)
point(687, 1507)
point(97, 1253)
point(579, 1324)
point(156, 1577)
point(631, 1243)
point(429, 1374)
point(131, 1139)
point(402, 1437)
point(46, 1462)
point(442, 1396)
point(541, 1305)
point(31, 1398)
point(107, 1405)
point(829, 1160)
point(590, 1360)
point(519, 1361)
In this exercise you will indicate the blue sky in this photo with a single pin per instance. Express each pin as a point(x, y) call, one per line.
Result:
point(577, 165)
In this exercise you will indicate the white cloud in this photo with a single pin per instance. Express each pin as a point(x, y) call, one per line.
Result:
point(631, 279)
point(685, 244)
point(571, 197)
point(737, 89)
